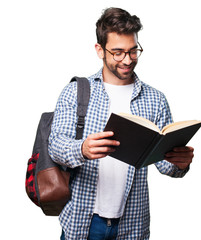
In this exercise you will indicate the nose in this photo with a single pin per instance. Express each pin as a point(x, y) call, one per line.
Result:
point(127, 60)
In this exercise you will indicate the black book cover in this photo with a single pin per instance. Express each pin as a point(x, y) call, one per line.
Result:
point(141, 146)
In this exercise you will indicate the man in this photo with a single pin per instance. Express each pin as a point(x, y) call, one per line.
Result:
point(109, 198)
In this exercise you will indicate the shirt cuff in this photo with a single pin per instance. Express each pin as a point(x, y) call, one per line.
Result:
point(77, 152)
point(183, 172)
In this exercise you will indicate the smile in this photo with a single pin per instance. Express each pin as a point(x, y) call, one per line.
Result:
point(126, 68)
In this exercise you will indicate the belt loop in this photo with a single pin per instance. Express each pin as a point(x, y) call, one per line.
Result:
point(109, 223)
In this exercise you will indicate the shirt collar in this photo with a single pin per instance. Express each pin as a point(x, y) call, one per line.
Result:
point(137, 83)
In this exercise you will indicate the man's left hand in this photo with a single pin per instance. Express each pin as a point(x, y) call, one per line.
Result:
point(180, 156)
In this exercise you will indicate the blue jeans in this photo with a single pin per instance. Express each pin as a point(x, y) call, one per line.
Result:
point(101, 229)
point(62, 236)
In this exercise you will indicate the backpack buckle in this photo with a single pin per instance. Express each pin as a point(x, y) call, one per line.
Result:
point(80, 122)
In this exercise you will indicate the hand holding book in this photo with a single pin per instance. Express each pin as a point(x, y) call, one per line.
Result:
point(98, 145)
point(180, 156)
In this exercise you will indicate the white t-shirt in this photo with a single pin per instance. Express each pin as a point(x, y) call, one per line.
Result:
point(113, 173)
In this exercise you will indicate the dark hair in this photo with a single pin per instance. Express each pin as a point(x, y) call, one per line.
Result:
point(116, 20)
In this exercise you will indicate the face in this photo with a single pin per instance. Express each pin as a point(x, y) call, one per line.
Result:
point(120, 71)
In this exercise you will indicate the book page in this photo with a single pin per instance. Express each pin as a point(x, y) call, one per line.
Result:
point(178, 125)
point(141, 121)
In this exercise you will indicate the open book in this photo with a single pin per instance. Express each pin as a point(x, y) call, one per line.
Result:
point(141, 141)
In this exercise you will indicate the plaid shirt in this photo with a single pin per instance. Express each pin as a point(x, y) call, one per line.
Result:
point(64, 149)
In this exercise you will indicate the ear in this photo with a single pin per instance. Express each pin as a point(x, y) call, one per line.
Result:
point(99, 50)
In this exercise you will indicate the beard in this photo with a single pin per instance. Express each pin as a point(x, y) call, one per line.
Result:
point(118, 69)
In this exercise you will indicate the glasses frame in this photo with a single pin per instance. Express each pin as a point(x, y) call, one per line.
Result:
point(129, 52)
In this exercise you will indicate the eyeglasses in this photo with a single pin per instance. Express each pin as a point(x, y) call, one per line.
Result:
point(120, 55)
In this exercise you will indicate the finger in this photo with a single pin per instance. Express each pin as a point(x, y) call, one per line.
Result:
point(182, 154)
point(101, 135)
point(183, 149)
point(97, 156)
point(95, 153)
point(104, 142)
point(100, 150)
point(178, 159)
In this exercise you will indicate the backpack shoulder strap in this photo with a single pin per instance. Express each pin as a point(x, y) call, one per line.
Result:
point(44, 127)
point(83, 96)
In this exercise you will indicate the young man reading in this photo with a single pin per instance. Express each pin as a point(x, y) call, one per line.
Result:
point(109, 198)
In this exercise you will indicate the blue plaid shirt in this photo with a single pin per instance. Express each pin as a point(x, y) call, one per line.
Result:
point(65, 150)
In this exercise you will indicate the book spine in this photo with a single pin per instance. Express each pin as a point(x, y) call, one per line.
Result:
point(142, 162)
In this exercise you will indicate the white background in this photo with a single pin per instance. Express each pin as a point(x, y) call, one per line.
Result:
point(45, 43)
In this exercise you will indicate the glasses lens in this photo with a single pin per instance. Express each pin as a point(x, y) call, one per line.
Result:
point(119, 56)
point(135, 54)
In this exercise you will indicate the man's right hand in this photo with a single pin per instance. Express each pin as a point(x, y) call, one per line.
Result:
point(98, 146)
